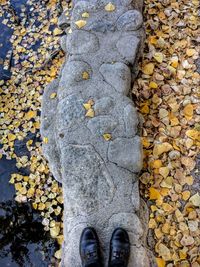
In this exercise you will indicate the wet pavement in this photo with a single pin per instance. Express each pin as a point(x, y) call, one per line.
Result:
point(23, 241)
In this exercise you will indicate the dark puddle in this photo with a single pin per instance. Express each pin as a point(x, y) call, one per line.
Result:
point(23, 242)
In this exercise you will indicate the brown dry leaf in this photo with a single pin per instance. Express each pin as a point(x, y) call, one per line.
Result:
point(188, 162)
point(164, 252)
point(164, 171)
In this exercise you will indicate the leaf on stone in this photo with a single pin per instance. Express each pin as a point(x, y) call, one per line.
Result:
point(80, 23)
point(53, 95)
point(110, 7)
point(45, 140)
point(90, 113)
point(85, 75)
point(85, 15)
point(107, 136)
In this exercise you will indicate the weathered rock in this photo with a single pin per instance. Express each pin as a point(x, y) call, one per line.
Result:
point(92, 127)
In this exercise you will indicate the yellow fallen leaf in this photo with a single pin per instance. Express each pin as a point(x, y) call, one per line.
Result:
point(148, 69)
point(54, 231)
point(157, 164)
point(164, 171)
point(58, 254)
point(60, 239)
point(30, 114)
point(190, 52)
point(164, 252)
point(154, 194)
point(53, 95)
point(87, 106)
point(153, 85)
point(185, 195)
point(107, 136)
point(85, 15)
point(45, 140)
point(145, 109)
point(110, 7)
point(11, 137)
point(159, 149)
point(57, 31)
point(166, 207)
point(158, 57)
point(145, 142)
point(41, 206)
point(90, 113)
point(85, 75)
point(152, 224)
point(195, 199)
point(80, 23)
point(167, 183)
point(193, 134)
point(160, 262)
point(188, 111)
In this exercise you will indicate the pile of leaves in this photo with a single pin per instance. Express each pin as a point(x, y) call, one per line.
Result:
point(37, 59)
point(167, 92)
point(167, 97)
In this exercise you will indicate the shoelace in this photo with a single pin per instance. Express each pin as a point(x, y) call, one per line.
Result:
point(91, 254)
point(119, 254)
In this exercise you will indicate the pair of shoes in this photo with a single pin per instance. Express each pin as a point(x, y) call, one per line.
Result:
point(90, 249)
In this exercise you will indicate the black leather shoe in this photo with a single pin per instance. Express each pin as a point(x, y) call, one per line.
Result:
point(89, 248)
point(119, 249)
